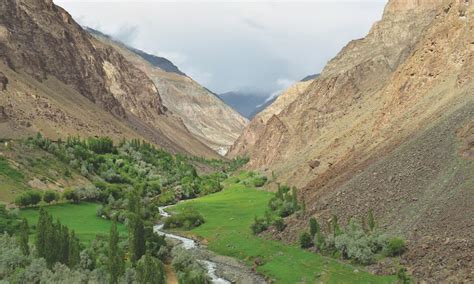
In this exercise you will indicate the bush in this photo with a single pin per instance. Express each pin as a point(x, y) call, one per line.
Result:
point(259, 225)
point(394, 247)
point(188, 219)
point(305, 240)
point(23, 200)
point(35, 197)
point(259, 181)
point(279, 224)
point(28, 198)
point(50, 196)
point(71, 195)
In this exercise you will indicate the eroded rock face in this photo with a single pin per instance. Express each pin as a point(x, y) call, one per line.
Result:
point(53, 56)
point(206, 116)
point(412, 72)
point(41, 39)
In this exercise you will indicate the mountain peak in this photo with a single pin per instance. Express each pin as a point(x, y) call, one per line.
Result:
point(395, 6)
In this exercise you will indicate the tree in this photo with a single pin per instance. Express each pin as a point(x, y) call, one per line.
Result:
point(134, 202)
point(335, 229)
point(305, 240)
point(136, 237)
point(42, 232)
point(319, 241)
point(23, 200)
point(35, 197)
point(24, 237)
point(74, 250)
point(371, 220)
point(50, 196)
point(150, 270)
point(294, 199)
point(116, 263)
point(71, 195)
point(313, 226)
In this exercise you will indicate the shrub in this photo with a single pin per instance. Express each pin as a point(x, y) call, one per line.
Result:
point(188, 219)
point(50, 196)
point(279, 224)
point(305, 240)
point(259, 225)
point(313, 226)
point(35, 197)
point(320, 241)
point(23, 200)
point(259, 181)
point(28, 198)
point(394, 247)
point(71, 195)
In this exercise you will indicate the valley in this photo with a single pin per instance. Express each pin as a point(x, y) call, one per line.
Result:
point(118, 167)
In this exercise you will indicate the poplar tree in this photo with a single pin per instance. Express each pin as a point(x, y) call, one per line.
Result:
point(116, 263)
point(137, 243)
point(313, 226)
point(23, 237)
point(371, 220)
point(150, 270)
point(74, 250)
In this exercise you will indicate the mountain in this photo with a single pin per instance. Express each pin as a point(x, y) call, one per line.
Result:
point(160, 62)
point(246, 103)
point(61, 81)
point(205, 115)
point(388, 126)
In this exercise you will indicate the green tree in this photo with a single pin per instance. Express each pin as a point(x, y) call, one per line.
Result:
point(35, 197)
point(320, 241)
point(116, 264)
point(42, 233)
point(134, 203)
point(71, 195)
point(23, 200)
point(50, 196)
point(294, 199)
point(305, 240)
point(313, 226)
point(150, 270)
point(23, 237)
point(371, 220)
point(74, 250)
point(136, 237)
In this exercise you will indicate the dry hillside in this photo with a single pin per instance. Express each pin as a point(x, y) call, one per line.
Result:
point(61, 81)
point(388, 126)
point(205, 115)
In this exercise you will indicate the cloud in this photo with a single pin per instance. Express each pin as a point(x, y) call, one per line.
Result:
point(283, 84)
point(126, 33)
point(253, 24)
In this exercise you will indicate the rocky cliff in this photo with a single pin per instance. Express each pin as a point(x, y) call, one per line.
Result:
point(47, 53)
point(206, 116)
point(379, 129)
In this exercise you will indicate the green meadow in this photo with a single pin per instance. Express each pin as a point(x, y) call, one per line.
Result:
point(78, 217)
point(228, 216)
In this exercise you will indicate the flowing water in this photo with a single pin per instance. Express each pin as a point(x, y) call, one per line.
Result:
point(188, 244)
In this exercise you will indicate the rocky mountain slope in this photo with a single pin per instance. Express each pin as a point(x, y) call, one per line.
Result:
point(61, 81)
point(206, 116)
point(388, 126)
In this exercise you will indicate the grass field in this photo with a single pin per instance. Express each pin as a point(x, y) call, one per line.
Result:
point(229, 214)
point(78, 217)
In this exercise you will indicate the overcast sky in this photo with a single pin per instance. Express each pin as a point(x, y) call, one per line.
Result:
point(229, 46)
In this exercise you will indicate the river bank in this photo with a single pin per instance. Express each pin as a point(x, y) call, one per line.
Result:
point(221, 269)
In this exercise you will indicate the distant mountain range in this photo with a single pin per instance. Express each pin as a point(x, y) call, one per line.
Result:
point(249, 104)
point(244, 103)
